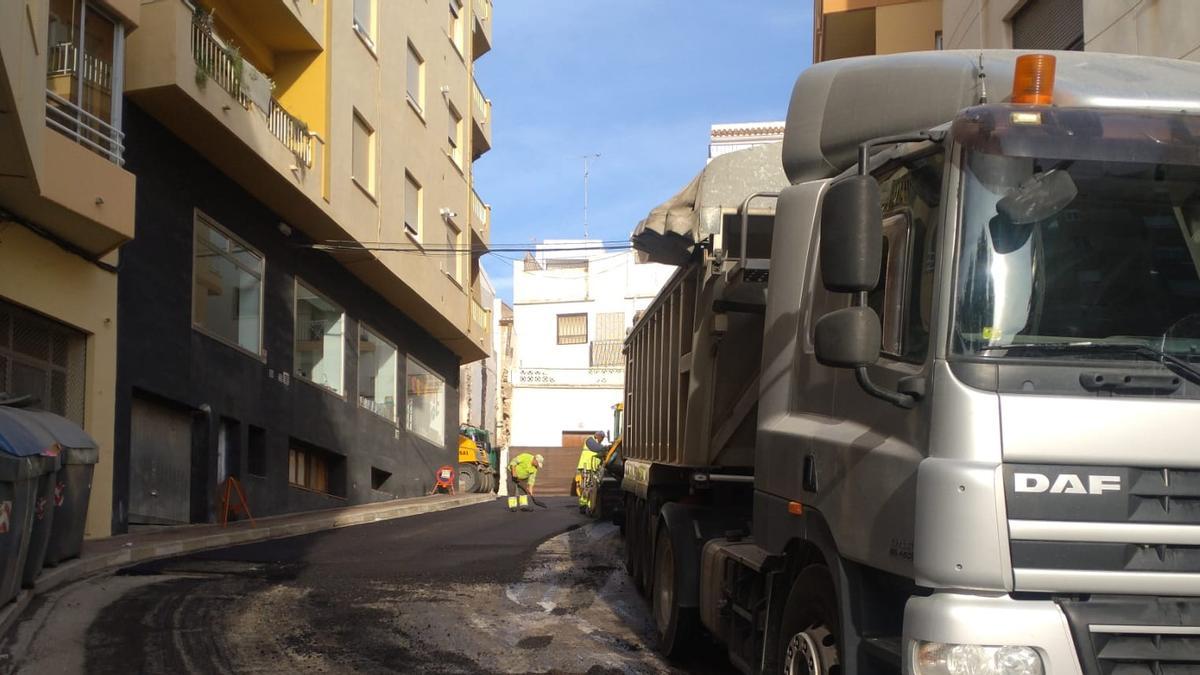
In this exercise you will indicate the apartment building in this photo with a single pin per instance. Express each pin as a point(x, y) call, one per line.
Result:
point(479, 390)
point(1165, 28)
point(66, 207)
point(573, 303)
point(305, 293)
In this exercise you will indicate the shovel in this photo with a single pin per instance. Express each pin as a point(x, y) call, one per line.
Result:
point(531, 497)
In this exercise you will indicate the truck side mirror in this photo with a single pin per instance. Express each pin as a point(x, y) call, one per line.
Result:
point(848, 338)
point(851, 235)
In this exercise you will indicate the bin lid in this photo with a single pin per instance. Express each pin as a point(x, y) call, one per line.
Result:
point(25, 433)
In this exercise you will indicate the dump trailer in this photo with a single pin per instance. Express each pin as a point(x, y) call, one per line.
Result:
point(936, 413)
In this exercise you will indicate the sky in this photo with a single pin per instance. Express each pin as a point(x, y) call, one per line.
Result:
point(638, 82)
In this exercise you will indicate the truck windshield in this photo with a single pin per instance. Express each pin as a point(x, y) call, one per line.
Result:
point(1078, 229)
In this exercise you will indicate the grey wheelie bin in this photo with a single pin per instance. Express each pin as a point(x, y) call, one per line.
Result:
point(23, 461)
point(72, 488)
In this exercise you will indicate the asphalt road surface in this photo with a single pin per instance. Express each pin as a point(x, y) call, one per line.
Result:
point(470, 590)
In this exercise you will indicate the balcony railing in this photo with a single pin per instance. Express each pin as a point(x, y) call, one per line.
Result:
point(480, 315)
point(293, 132)
point(481, 213)
point(483, 107)
point(85, 128)
point(223, 66)
point(600, 378)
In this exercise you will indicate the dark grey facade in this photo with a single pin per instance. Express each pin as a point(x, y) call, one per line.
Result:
point(266, 410)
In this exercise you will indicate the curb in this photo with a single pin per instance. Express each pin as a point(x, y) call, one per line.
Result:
point(84, 567)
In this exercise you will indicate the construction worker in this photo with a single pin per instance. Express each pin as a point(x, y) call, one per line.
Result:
point(522, 471)
point(589, 465)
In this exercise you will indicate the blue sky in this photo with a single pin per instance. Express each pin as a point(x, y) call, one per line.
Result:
point(638, 81)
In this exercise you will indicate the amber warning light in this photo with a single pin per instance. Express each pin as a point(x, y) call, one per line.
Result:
point(1033, 81)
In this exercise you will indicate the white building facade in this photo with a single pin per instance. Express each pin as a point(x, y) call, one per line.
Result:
point(571, 310)
point(726, 138)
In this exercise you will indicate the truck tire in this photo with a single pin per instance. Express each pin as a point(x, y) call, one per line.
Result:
point(677, 626)
point(468, 478)
point(809, 642)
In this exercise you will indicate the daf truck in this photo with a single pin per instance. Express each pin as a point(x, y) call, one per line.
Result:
point(932, 405)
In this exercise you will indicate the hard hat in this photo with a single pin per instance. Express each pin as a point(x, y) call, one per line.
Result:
point(539, 460)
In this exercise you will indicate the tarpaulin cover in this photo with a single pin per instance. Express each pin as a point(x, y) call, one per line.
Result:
point(672, 229)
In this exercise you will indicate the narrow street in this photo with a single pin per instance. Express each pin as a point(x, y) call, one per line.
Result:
point(471, 590)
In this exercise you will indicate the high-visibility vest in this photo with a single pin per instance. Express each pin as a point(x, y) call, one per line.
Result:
point(589, 460)
point(522, 468)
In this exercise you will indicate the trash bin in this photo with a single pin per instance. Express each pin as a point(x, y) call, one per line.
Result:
point(70, 491)
point(46, 469)
point(71, 496)
point(22, 464)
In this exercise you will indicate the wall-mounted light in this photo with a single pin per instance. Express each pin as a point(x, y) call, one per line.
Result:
point(447, 213)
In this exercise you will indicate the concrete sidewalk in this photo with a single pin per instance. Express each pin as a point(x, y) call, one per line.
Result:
point(111, 553)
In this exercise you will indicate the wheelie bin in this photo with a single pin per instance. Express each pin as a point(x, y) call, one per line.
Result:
point(27, 454)
point(73, 488)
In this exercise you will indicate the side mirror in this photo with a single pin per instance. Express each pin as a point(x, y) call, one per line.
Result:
point(848, 338)
point(851, 235)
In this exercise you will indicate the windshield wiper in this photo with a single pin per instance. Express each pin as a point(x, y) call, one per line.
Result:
point(1175, 364)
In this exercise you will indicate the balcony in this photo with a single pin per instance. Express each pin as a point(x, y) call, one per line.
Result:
point(570, 378)
point(221, 64)
point(66, 76)
point(481, 121)
point(481, 218)
point(180, 71)
point(481, 28)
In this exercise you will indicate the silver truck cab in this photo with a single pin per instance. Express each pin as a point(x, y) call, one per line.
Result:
point(981, 361)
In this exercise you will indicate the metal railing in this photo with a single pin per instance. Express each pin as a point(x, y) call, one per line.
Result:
point(219, 63)
point(292, 132)
point(85, 128)
point(481, 317)
point(61, 59)
point(481, 213)
point(483, 107)
point(604, 378)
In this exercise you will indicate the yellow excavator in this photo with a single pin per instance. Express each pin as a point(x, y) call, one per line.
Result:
point(604, 493)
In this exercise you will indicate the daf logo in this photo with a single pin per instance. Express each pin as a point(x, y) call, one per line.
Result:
point(1066, 483)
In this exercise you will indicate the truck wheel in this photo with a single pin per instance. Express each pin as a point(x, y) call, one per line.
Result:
point(677, 626)
point(468, 478)
point(809, 640)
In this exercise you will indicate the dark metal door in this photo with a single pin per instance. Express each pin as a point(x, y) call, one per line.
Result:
point(160, 456)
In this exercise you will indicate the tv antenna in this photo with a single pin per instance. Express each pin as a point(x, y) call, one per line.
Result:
point(587, 160)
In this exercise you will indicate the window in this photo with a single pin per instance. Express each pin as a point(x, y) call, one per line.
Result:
point(454, 134)
point(572, 329)
point(903, 299)
point(363, 154)
point(227, 292)
point(376, 374)
point(412, 205)
point(416, 79)
point(83, 74)
point(315, 469)
point(44, 360)
point(450, 266)
point(610, 337)
point(364, 21)
point(425, 403)
point(455, 29)
point(256, 451)
point(320, 333)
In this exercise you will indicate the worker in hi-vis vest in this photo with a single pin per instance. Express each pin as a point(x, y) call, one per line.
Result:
point(522, 471)
point(589, 464)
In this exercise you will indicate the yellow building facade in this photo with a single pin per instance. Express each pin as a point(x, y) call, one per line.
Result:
point(66, 206)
